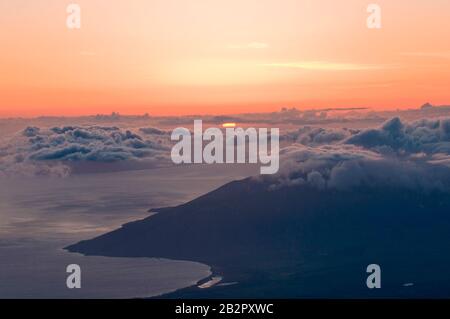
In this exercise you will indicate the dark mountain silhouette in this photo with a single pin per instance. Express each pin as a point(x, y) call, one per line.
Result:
point(299, 241)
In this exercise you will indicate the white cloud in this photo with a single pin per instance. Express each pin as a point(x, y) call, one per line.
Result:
point(423, 136)
point(53, 151)
point(412, 155)
point(348, 166)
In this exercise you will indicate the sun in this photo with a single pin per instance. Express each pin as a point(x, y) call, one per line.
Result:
point(229, 125)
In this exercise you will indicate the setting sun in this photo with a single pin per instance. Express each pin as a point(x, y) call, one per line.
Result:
point(229, 125)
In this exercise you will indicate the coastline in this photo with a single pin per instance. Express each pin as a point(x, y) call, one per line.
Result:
point(178, 292)
point(198, 290)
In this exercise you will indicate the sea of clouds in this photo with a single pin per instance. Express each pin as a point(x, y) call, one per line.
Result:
point(413, 155)
point(55, 151)
point(397, 153)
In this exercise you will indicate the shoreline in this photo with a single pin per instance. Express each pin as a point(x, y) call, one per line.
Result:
point(212, 277)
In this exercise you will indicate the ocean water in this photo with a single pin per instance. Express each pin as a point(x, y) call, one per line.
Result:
point(40, 216)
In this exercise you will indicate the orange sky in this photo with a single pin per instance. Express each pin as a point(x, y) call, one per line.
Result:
point(169, 57)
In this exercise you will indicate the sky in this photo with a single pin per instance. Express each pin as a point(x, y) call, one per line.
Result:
point(177, 57)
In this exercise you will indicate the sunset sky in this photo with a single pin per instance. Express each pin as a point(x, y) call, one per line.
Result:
point(170, 57)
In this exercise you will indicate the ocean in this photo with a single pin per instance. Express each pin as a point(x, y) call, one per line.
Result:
point(40, 216)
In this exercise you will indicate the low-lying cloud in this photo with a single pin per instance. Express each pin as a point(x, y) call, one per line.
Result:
point(348, 166)
point(52, 151)
point(412, 155)
point(397, 153)
point(426, 136)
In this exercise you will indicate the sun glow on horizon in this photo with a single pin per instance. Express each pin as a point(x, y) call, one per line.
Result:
point(225, 125)
point(178, 57)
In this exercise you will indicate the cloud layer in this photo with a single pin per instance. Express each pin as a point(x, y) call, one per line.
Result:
point(424, 136)
point(397, 154)
point(53, 151)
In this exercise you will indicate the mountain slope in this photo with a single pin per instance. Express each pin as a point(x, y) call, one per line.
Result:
point(299, 241)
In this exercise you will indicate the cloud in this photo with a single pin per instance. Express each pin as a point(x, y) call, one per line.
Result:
point(318, 156)
point(312, 136)
point(413, 155)
point(349, 166)
point(153, 131)
point(426, 136)
point(423, 136)
point(53, 151)
point(325, 66)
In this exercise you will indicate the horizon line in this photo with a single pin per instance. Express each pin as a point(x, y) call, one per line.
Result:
point(280, 109)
